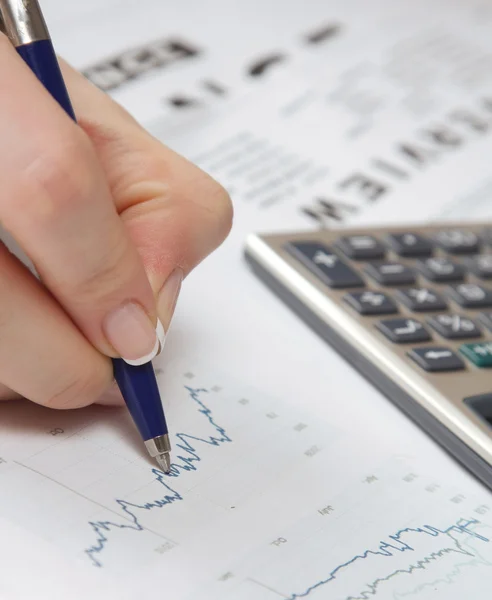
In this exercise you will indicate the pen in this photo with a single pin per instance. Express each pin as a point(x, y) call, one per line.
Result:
point(26, 28)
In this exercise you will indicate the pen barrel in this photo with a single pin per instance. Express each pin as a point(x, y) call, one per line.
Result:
point(142, 397)
point(41, 58)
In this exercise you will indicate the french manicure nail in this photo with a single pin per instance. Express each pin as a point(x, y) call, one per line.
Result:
point(131, 333)
point(168, 297)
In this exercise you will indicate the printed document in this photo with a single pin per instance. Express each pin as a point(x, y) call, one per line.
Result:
point(292, 477)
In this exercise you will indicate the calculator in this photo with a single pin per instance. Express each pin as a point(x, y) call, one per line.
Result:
point(410, 308)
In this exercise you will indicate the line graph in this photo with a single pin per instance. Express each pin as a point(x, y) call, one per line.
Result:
point(188, 459)
point(476, 558)
point(388, 550)
point(255, 506)
point(188, 462)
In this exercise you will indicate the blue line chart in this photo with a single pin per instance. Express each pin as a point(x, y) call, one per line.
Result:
point(187, 460)
point(475, 559)
point(398, 545)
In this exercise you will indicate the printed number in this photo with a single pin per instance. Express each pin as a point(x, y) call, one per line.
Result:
point(164, 548)
point(279, 541)
point(56, 431)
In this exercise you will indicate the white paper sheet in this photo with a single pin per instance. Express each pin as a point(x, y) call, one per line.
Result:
point(292, 478)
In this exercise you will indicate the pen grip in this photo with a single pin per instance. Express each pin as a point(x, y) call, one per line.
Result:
point(40, 56)
point(139, 383)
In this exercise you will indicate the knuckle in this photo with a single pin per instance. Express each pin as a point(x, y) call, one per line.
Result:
point(58, 177)
point(78, 389)
point(218, 202)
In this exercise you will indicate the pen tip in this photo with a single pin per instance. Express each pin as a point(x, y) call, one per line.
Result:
point(164, 462)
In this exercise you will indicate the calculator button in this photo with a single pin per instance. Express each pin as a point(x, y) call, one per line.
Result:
point(471, 295)
point(452, 326)
point(325, 264)
point(457, 241)
point(437, 359)
point(479, 353)
point(421, 299)
point(371, 303)
point(410, 244)
point(441, 269)
point(361, 247)
point(482, 405)
point(486, 319)
point(403, 331)
point(390, 273)
point(481, 265)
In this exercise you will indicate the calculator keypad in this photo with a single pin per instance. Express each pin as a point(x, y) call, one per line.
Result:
point(453, 326)
point(457, 241)
point(410, 244)
point(436, 359)
point(326, 265)
point(441, 270)
point(481, 265)
point(411, 307)
point(390, 273)
point(471, 295)
point(371, 303)
point(403, 331)
point(361, 247)
point(440, 276)
point(480, 353)
point(421, 299)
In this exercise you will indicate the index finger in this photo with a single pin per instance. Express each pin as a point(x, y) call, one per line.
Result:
point(57, 205)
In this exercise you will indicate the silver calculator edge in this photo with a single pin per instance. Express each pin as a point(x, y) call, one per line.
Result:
point(466, 436)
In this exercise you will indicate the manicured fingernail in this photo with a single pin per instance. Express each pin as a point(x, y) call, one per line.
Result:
point(168, 297)
point(132, 334)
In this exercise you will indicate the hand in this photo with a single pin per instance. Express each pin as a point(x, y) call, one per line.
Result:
point(112, 220)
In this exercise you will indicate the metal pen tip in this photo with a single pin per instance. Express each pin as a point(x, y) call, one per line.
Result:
point(160, 449)
point(164, 462)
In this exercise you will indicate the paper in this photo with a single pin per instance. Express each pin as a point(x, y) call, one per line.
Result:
point(263, 500)
point(335, 493)
point(160, 59)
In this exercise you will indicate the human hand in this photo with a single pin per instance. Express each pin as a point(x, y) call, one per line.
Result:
point(112, 220)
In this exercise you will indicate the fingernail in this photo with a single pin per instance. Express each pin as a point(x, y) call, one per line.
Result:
point(132, 334)
point(168, 297)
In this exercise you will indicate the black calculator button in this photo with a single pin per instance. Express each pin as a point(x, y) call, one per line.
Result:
point(437, 359)
point(441, 270)
point(371, 303)
point(421, 299)
point(486, 319)
point(481, 405)
point(471, 295)
point(458, 241)
point(403, 331)
point(410, 244)
point(481, 265)
point(361, 247)
point(452, 326)
point(390, 273)
point(325, 264)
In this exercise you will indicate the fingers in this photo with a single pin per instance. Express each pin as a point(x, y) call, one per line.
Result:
point(175, 213)
point(43, 357)
point(56, 203)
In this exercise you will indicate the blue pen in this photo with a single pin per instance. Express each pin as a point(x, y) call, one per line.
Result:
point(25, 26)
